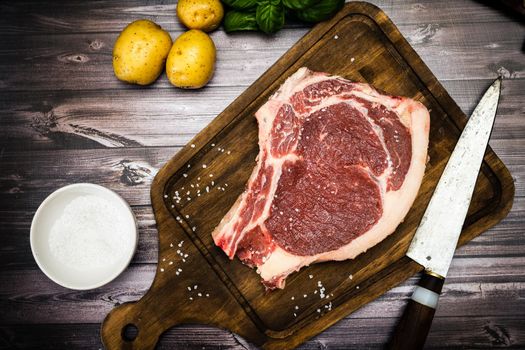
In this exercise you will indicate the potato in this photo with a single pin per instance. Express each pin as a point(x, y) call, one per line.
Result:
point(191, 60)
point(205, 15)
point(140, 52)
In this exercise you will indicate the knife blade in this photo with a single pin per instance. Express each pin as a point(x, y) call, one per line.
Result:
point(437, 235)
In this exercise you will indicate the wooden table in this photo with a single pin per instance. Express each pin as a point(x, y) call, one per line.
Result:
point(64, 118)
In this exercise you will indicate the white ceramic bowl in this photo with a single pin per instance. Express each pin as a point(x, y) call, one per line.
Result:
point(68, 276)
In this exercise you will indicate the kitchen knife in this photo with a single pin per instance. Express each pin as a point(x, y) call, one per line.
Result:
point(437, 235)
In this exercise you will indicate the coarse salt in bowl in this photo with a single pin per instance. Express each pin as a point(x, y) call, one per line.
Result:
point(83, 236)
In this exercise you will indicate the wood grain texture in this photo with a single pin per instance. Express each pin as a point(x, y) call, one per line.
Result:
point(77, 57)
point(465, 44)
point(60, 120)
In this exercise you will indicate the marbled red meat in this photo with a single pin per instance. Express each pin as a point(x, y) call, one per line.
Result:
point(339, 166)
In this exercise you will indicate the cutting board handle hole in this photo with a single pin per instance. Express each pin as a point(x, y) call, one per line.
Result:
point(129, 332)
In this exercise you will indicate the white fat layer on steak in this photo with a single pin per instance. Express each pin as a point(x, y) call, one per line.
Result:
point(280, 263)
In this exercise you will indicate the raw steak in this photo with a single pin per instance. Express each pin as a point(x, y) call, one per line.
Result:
point(339, 166)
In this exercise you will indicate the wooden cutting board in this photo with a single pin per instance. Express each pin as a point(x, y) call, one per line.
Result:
point(196, 283)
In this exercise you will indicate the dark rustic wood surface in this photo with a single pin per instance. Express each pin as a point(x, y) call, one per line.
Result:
point(64, 119)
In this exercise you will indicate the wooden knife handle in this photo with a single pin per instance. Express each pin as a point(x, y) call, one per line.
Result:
point(412, 330)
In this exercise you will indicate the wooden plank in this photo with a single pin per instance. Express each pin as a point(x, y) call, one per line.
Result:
point(503, 240)
point(128, 172)
point(467, 293)
point(169, 117)
point(28, 177)
point(369, 333)
point(96, 119)
point(62, 61)
point(74, 17)
point(446, 332)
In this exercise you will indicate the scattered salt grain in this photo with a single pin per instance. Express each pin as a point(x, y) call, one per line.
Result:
point(207, 295)
point(195, 287)
point(185, 175)
point(204, 166)
point(351, 276)
point(213, 145)
point(161, 270)
point(336, 37)
point(171, 263)
point(352, 59)
point(89, 234)
point(192, 145)
point(311, 276)
point(189, 288)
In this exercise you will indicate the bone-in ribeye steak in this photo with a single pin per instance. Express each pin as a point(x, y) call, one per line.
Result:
point(339, 166)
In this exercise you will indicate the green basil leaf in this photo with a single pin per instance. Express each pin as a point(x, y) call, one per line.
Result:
point(299, 4)
point(241, 4)
point(270, 16)
point(320, 11)
point(235, 21)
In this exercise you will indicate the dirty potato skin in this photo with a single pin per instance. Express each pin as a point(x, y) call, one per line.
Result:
point(205, 15)
point(191, 60)
point(140, 52)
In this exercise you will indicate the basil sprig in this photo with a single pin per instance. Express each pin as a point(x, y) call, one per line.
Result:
point(236, 21)
point(299, 4)
point(320, 11)
point(269, 15)
point(241, 4)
